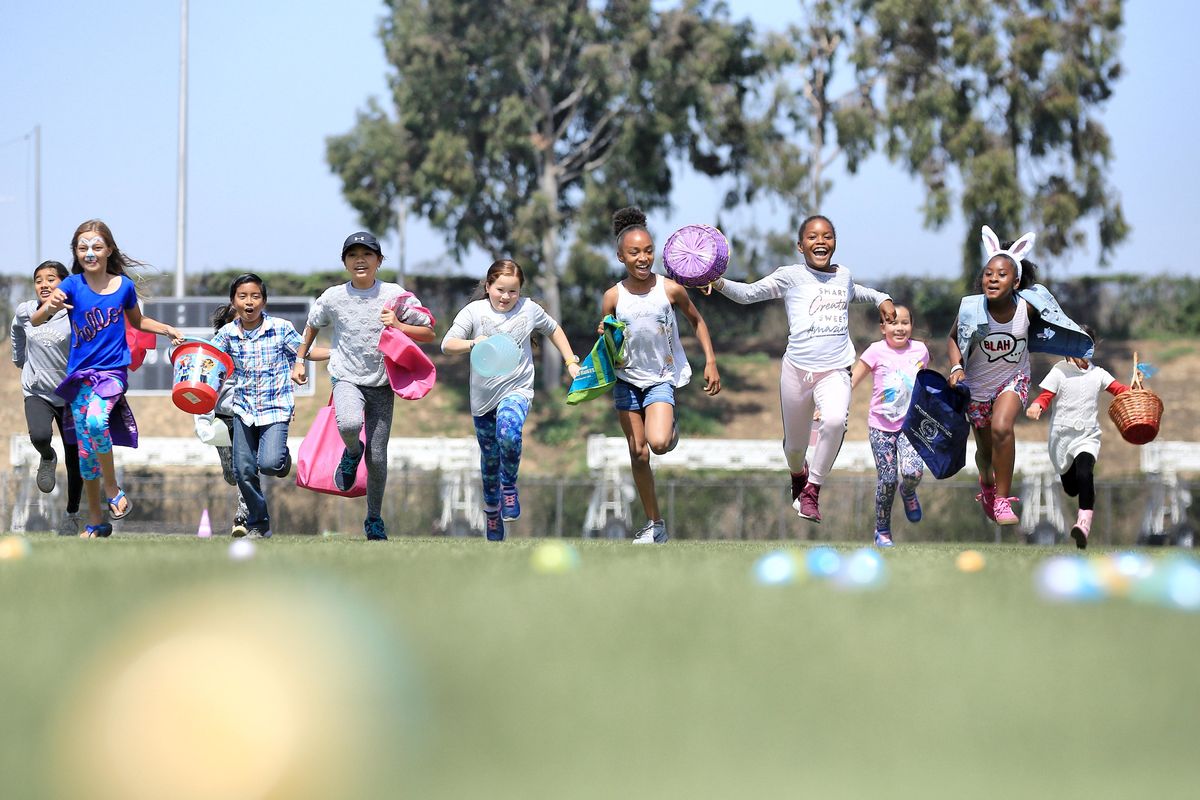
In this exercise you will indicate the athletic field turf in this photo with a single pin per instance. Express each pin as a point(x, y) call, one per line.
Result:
point(330, 667)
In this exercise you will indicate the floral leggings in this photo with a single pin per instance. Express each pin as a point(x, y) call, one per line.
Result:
point(499, 435)
point(893, 454)
point(91, 412)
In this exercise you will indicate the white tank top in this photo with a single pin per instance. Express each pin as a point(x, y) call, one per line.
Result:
point(1001, 356)
point(653, 352)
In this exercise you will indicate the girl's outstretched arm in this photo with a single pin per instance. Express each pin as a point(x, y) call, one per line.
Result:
point(861, 370)
point(680, 299)
point(304, 351)
point(559, 340)
point(147, 325)
point(772, 287)
point(955, 355)
point(607, 306)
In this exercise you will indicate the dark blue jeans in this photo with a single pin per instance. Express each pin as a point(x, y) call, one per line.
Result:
point(258, 448)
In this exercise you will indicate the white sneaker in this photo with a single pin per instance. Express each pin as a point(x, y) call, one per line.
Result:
point(652, 533)
point(70, 524)
point(45, 473)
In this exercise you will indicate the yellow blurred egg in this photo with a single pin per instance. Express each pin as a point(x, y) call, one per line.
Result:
point(969, 561)
point(13, 548)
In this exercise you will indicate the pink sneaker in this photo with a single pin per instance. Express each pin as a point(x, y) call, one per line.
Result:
point(1002, 511)
point(1083, 527)
point(809, 508)
point(987, 499)
point(799, 481)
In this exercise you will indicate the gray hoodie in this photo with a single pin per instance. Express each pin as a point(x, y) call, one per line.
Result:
point(41, 352)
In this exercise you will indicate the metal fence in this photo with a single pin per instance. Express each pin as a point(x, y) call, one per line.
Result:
point(737, 506)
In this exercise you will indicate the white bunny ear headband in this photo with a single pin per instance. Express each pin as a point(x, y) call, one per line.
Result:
point(1020, 248)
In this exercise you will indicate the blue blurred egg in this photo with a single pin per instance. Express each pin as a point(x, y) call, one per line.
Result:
point(1068, 579)
point(1181, 583)
point(823, 562)
point(776, 568)
point(862, 569)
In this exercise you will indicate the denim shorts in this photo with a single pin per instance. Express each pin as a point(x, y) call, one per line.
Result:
point(627, 397)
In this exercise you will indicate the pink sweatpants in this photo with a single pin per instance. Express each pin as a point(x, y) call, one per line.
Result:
point(800, 392)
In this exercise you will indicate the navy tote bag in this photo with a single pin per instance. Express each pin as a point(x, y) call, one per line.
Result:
point(936, 423)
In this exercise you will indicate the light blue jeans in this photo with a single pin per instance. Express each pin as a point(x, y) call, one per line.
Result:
point(258, 448)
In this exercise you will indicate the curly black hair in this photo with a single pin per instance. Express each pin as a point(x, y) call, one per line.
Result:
point(628, 219)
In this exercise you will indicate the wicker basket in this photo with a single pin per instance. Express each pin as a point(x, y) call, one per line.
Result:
point(1138, 412)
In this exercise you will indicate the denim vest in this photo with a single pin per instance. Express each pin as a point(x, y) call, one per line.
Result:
point(1050, 330)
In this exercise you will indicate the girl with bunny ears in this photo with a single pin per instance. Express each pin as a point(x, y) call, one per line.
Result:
point(989, 350)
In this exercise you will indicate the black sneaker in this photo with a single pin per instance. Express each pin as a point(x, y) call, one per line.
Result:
point(375, 530)
point(239, 528)
point(347, 469)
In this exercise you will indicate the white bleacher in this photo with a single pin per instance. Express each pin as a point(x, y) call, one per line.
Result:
point(1162, 462)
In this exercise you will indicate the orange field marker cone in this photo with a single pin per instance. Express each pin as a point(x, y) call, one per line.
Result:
point(205, 529)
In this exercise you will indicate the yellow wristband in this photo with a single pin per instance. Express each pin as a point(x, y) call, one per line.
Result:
point(571, 360)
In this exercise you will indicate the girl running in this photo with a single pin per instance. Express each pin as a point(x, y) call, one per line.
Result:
point(655, 364)
point(989, 349)
point(816, 365)
point(892, 363)
point(500, 403)
point(41, 353)
point(100, 297)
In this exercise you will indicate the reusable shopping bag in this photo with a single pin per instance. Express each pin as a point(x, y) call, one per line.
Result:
point(936, 423)
point(320, 453)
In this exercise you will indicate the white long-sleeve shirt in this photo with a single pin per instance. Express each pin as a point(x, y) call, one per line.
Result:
point(818, 311)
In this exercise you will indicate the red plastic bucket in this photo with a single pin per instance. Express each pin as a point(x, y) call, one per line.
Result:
point(200, 369)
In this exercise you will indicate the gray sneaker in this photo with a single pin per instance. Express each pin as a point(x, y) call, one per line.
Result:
point(69, 524)
point(258, 533)
point(651, 533)
point(45, 473)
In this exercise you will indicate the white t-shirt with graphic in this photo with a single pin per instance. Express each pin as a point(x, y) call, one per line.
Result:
point(818, 311)
point(1001, 356)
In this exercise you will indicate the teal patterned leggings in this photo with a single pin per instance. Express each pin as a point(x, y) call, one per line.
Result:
point(91, 413)
point(499, 435)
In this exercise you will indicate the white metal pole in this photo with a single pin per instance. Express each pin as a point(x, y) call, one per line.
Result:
point(401, 224)
point(181, 187)
point(37, 192)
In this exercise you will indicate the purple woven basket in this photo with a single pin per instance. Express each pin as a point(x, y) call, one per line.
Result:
point(696, 255)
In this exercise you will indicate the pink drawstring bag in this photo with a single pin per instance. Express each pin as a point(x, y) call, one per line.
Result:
point(410, 372)
point(320, 453)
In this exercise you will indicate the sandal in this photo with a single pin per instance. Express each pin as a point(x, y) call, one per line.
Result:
point(113, 505)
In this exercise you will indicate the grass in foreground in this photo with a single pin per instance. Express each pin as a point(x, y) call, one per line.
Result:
point(647, 672)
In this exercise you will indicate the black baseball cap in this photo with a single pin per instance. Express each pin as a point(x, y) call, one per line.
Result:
point(363, 238)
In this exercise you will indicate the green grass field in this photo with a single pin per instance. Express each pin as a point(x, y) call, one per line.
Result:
point(450, 668)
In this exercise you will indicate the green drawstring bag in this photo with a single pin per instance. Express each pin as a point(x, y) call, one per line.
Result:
point(598, 372)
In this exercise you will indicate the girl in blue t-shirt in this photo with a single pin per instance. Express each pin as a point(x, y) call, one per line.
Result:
point(99, 298)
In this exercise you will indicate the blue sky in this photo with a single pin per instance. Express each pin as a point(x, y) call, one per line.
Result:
point(271, 79)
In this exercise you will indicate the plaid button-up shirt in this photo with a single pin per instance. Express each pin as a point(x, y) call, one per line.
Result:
point(262, 369)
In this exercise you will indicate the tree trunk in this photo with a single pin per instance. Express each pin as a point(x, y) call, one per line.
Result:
point(552, 364)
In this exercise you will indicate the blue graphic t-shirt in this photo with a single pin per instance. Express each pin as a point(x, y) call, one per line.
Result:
point(98, 324)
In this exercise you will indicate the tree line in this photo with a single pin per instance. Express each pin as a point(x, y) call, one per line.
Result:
point(517, 126)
